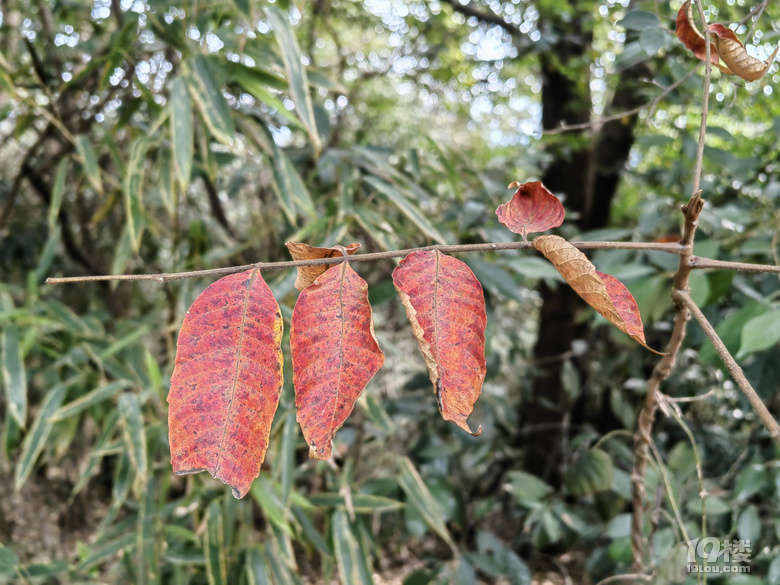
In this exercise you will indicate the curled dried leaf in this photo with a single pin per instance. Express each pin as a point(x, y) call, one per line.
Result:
point(601, 291)
point(733, 53)
point(308, 274)
point(693, 38)
point(532, 209)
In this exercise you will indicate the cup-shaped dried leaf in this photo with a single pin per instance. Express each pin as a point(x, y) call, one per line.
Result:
point(226, 381)
point(532, 209)
point(734, 54)
point(308, 274)
point(334, 354)
point(446, 307)
point(601, 291)
point(692, 37)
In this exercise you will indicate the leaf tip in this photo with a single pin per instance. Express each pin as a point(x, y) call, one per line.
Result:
point(321, 453)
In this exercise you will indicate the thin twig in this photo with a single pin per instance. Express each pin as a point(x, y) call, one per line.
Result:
point(757, 11)
point(631, 577)
point(697, 262)
point(661, 372)
point(653, 104)
point(733, 367)
point(455, 249)
point(643, 437)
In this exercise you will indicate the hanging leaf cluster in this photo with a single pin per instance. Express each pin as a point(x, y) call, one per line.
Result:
point(727, 52)
point(227, 377)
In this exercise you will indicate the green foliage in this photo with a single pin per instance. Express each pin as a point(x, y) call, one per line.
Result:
point(201, 137)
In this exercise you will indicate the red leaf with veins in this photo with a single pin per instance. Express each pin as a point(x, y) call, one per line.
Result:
point(626, 306)
point(226, 381)
point(692, 37)
point(446, 307)
point(334, 353)
point(532, 209)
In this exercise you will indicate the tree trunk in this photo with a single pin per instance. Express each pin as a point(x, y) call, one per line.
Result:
point(585, 171)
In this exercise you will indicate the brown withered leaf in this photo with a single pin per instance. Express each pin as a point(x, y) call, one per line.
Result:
point(308, 274)
point(693, 39)
point(733, 53)
point(603, 292)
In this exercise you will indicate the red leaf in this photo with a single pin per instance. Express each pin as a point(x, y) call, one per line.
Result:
point(226, 381)
point(626, 306)
point(532, 209)
point(446, 307)
point(334, 354)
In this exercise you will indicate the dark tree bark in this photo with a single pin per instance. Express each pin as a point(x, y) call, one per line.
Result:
point(588, 176)
point(586, 170)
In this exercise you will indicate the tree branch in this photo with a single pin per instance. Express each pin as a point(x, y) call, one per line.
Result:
point(486, 17)
point(643, 437)
point(653, 104)
point(454, 249)
point(708, 264)
point(733, 367)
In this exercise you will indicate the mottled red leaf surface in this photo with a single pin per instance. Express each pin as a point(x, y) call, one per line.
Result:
point(626, 306)
point(308, 274)
point(532, 209)
point(334, 354)
point(226, 381)
point(446, 307)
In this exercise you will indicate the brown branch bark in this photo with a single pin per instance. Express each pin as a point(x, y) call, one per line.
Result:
point(709, 264)
point(733, 367)
point(661, 372)
point(454, 249)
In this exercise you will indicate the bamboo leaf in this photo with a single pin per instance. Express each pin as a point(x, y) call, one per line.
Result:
point(405, 206)
point(134, 431)
point(90, 399)
point(349, 558)
point(57, 192)
point(289, 437)
point(256, 567)
point(89, 162)
point(208, 98)
point(133, 190)
point(296, 73)
point(39, 433)
point(216, 561)
point(422, 500)
point(182, 137)
point(14, 376)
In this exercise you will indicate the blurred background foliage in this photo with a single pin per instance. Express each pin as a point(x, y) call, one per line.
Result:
point(143, 136)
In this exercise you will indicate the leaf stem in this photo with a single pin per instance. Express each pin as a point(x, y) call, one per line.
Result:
point(671, 248)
